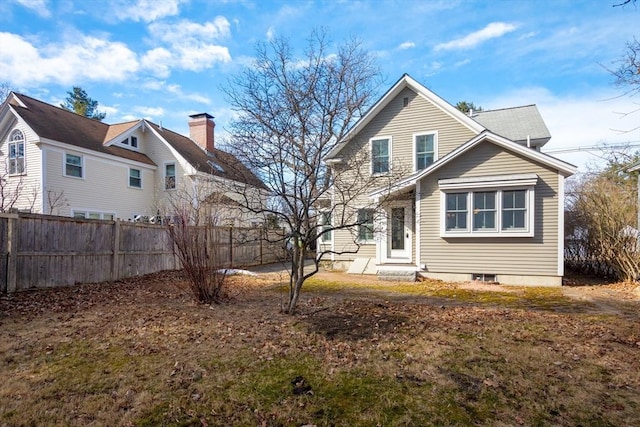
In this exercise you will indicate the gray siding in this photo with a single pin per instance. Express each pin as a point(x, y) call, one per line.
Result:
point(400, 123)
point(536, 255)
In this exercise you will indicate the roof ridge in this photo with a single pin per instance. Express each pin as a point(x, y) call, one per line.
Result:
point(504, 108)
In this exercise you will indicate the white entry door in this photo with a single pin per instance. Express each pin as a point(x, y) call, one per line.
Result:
point(399, 233)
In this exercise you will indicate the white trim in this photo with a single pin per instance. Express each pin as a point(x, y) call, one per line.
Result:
point(83, 171)
point(117, 139)
point(175, 175)
point(373, 225)
point(563, 168)
point(525, 179)
point(390, 149)
point(405, 81)
point(43, 182)
point(529, 230)
point(417, 225)
point(64, 147)
point(415, 143)
point(139, 177)
point(385, 252)
point(561, 225)
point(73, 211)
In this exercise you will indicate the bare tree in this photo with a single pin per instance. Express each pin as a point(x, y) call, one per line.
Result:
point(627, 73)
point(11, 189)
point(291, 112)
point(5, 89)
point(56, 200)
point(192, 229)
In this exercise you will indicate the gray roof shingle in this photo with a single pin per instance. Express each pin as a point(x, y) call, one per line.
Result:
point(516, 124)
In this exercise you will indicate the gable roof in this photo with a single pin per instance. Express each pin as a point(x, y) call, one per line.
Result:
point(405, 81)
point(562, 167)
point(232, 168)
point(65, 126)
point(516, 123)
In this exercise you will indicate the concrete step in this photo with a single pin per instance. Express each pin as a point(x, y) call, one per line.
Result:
point(397, 275)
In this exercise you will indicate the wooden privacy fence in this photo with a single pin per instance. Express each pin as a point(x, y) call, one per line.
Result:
point(41, 251)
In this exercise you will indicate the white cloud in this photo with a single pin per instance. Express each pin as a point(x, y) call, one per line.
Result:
point(146, 10)
point(38, 6)
point(150, 111)
point(491, 31)
point(188, 45)
point(111, 111)
point(271, 33)
point(87, 58)
point(158, 61)
point(406, 45)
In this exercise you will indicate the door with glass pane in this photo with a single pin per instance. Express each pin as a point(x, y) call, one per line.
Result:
point(399, 233)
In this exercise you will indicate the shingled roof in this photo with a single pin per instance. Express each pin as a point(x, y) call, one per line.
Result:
point(516, 123)
point(61, 125)
point(229, 166)
point(65, 126)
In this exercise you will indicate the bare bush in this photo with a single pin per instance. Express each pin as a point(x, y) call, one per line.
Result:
point(600, 237)
point(191, 231)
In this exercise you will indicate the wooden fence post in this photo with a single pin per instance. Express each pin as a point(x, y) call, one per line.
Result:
point(12, 253)
point(115, 265)
point(261, 237)
point(231, 247)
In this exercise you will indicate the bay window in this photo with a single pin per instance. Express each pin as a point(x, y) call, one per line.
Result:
point(501, 206)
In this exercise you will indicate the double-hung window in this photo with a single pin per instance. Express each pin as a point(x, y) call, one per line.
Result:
point(135, 178)
point(425, 150)
point(457, 212)
point(16, 153)
point(365, 225)
point(73, 165)
point(169, 176)
point(497, 206)
point(514, 210)
point(325, 229)
point(484, 210)
point(380, 155)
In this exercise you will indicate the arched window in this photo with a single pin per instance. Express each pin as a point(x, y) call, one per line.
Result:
point(16, 152)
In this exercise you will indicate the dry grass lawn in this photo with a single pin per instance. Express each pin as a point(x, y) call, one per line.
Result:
point(360, 352)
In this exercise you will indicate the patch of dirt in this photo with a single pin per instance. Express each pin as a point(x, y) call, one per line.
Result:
point(355, 321)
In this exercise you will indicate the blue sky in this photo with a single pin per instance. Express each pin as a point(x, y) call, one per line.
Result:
point(166, 59)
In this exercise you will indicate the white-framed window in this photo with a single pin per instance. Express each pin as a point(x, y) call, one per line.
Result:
point(380, 155)
point(16, 153)
point(325, 228)
point(73, 165)
point(425, 148)
point(456, 213)
point(131, 141)
point(484, 210)
point(365, 225)
point(135, 178)
point(169, 176)
point(87, 214)
point(501, 206)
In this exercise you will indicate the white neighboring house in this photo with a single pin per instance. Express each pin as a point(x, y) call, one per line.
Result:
point(57, 162)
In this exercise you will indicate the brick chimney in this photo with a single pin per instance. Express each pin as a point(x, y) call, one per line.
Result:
point(201, 130)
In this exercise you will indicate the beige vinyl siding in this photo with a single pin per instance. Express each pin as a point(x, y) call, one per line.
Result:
point(104, 188)
point(536, 255)
point(28, 185)
point(400, 123)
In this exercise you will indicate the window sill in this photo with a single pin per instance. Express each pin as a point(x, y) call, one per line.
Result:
point(74, 177)
point(487, 234)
